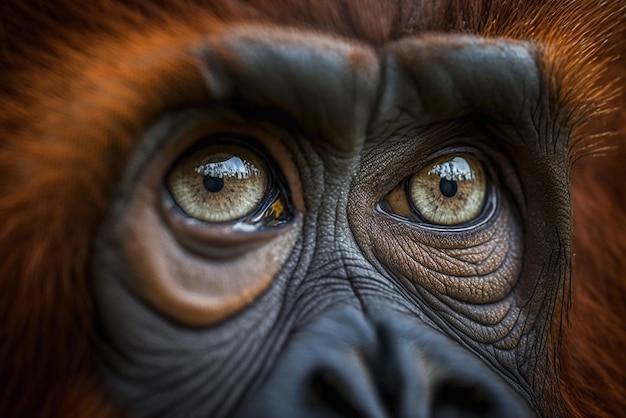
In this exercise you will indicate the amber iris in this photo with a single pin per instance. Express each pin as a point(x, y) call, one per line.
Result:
point(448, 191)
point(219, 183)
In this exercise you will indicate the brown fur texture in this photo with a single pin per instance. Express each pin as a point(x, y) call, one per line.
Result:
point(72, 103)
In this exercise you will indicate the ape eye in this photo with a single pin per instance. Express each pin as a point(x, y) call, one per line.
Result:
point(449, 191)
point(225, 182)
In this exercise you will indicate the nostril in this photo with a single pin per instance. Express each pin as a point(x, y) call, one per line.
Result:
point(456, 399)
point(328, 392)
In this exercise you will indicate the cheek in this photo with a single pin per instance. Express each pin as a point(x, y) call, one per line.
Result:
point(476, 267)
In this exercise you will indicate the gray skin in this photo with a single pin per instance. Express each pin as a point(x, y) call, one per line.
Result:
point(368, 315)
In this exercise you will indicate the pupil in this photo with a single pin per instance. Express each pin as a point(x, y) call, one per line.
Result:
point(213, 184)
point(448, 188)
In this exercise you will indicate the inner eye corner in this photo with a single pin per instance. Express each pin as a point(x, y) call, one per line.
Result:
point(227, 179)
point(451, 192)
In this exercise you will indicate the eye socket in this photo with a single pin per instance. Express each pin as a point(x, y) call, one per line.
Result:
point(226, 182)
point(450, 191)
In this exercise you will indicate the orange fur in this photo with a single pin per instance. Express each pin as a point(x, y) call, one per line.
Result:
point(73, 98)
point(593, 372)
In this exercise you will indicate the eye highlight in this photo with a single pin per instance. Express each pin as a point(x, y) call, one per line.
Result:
point(450, 191)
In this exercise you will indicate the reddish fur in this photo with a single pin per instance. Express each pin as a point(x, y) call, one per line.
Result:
point(594, 344)
point(594, 356)
point(65, 72)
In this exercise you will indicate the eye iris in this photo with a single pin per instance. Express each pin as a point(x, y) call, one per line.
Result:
point(450, 191)
point(219, 183)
